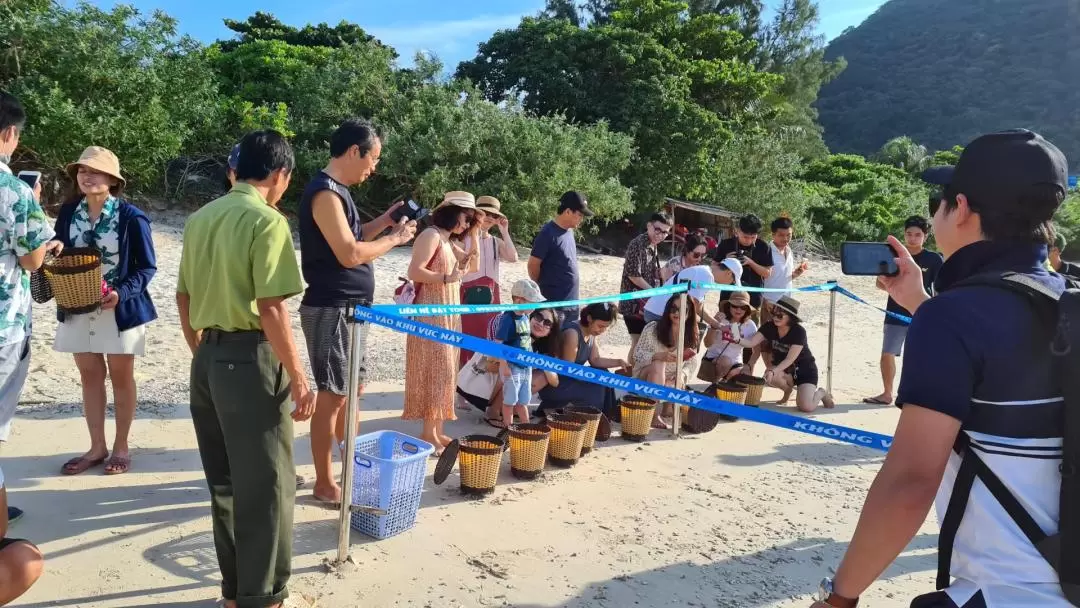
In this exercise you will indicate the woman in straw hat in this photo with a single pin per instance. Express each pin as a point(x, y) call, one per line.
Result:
point(438, 263)
point(792, 365)
point(724, 360)
point(106, 341)
point(482, 286)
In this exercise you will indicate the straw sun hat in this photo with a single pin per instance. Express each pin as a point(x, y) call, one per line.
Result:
point(489, 205)
point(789, 305)
point(99, 159)
point(457, 198)
point(738, 298)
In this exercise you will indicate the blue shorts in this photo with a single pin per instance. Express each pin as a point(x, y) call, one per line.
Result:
point(893, 342)
point(517, 387)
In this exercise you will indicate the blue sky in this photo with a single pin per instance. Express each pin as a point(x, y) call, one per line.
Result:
point(449, 28)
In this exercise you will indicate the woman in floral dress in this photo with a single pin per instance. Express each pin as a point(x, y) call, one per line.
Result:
point(106, 341)
point(438, 263)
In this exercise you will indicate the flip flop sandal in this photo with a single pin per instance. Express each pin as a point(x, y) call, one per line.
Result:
point(80, 464)
point(117, 465)
point(494, 422)
point(876, 401)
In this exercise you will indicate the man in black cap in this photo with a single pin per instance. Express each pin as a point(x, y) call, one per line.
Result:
point(553, 262)
point(977, 377)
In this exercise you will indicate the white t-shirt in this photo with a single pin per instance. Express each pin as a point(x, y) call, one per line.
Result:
point(783, 266)
point(723, 348)
point(696, 274)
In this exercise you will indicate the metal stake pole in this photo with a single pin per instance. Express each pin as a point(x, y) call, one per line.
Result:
point(832, 336)
point(680, 346)
point(352, 404)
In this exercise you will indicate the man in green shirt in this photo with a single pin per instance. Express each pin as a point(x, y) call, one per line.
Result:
point(237, 269)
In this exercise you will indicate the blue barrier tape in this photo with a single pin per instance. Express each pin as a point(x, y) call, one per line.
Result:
point(903, 319)
point(594, 375)
point(722, 287)
point(412, 310)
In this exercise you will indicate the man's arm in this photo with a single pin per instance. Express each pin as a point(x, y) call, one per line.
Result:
point(30, 230)
point(375, 227)
point(635, 266)
point(762, 266)
point(330, 218)
point(191, 336)
point(541, 245)
point(534, 268)
point(274, 318)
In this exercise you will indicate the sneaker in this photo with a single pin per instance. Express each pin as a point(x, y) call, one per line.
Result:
point(14, 514)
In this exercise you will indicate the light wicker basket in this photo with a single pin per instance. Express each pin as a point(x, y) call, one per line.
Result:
point(754, 387)
point(567, 437)
point(637, 417)
point(592, 415)
point(75, 279)
point(528, 449)
point(479, 457)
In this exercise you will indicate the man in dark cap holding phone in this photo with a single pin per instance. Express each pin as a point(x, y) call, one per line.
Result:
point(336, 252)
point(553, 262)
point(978, 395)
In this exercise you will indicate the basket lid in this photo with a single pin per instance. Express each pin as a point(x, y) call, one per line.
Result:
point(730, 387)
point(446, 462)
point(603, 430)
point(749, 380)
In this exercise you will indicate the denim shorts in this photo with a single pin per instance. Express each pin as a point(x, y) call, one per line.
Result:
point(893, 341)
point(517, 387)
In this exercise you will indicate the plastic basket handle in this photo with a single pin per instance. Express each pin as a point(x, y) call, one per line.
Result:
point(411, 448)
point(361, 461)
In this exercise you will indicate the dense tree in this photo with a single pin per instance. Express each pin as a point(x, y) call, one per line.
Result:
point(944, 72)
point(903, 153)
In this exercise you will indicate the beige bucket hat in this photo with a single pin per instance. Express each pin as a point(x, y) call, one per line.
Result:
point(489, 205)
point(457, 198)
point(99, 159)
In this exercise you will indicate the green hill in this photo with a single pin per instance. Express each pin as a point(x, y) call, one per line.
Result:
point(944, 71)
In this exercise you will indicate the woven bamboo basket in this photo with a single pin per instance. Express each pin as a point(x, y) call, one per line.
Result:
point(637, 417)
point(567, 437)
point(479, 457)
point(528, 449)
point(592, 415)
point(75, 279)
point(754, 387)
point(729, 391)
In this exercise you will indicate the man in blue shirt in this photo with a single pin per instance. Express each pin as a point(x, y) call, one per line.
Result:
point(553, 262)
point(977, 377)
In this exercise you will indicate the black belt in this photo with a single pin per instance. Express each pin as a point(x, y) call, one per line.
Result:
point(214, 335)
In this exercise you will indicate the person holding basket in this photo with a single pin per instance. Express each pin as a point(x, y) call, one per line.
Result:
point(106, 341)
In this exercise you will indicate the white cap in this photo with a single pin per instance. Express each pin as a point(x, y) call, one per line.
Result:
point(528, 290)
point(735, 267)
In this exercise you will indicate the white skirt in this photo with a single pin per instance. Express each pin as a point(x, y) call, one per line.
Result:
point(96, 332)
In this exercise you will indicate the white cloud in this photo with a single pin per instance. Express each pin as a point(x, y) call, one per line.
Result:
point(447, 39)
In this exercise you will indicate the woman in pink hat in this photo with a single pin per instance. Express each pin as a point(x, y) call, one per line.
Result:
point(106, 341)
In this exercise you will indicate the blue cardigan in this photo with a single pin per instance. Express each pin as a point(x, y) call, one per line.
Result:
point(137, 263)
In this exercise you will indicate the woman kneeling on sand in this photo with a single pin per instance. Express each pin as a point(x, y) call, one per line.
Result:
point(655, 357)
point(106, 341)
point(792, 366)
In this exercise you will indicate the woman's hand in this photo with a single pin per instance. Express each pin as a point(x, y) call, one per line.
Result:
point(54, 247)
point(453, 277)
point(110, 300)
point(666, 357)
point(503, 224)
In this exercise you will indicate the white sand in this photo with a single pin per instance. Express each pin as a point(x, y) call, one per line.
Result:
point(745, 516)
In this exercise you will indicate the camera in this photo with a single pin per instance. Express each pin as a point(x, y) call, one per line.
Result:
point(410, 210)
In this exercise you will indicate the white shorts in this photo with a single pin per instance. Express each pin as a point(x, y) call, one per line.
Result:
point(96, 332)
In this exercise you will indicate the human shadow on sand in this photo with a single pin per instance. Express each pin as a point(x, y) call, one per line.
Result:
point(745, 581)
point(824, 454)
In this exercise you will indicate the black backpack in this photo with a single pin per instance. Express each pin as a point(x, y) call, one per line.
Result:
point(1060, 318)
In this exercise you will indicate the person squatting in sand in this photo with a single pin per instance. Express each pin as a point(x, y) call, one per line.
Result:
point(724, 359)
point(792, 366)
point(515, 331)
point(656, 359)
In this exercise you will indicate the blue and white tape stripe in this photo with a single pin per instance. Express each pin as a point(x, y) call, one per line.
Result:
point(903, 319)
point(722, 287)
point(638, 387)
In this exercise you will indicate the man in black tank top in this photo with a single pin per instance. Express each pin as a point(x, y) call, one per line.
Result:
point(336, 253)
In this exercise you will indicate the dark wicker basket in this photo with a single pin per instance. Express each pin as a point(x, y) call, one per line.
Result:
point(754, 387)
point(479, 457)
point(75, 279)
point(40, 289)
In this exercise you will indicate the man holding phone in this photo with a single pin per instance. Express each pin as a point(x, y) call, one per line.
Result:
point(916, 229)
point(336, 253)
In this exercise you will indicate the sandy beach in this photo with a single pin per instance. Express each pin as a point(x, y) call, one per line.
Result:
point(746, 515)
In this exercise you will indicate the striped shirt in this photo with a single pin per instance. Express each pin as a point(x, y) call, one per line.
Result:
point(977, 354)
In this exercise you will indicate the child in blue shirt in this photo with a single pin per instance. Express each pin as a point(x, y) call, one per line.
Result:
point(514, 331)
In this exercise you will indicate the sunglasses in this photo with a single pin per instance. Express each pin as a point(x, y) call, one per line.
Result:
point(542, 320)
point(780, 314)
point(697, 255)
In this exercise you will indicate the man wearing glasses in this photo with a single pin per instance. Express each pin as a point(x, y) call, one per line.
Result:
point(641, 270)
point(752, 252)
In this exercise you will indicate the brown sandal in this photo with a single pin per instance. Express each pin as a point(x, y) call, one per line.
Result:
point(118, 465)
point(80, 464)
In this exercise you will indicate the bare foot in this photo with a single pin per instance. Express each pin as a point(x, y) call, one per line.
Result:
point(658, 423)
point(828, 401)
point(445, 440)
point(330, 493)
point(433, 440)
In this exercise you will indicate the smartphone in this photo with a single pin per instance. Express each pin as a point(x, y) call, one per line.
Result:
point(30, 177)
point(868, 259)
point(411, 209)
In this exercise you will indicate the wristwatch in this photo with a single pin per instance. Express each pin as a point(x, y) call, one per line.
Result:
point(825, 594)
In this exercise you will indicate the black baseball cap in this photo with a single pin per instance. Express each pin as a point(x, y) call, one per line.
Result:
point(575, 201)
point(1000, 169)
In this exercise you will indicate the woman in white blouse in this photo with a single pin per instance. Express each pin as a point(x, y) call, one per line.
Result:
point(482, 286)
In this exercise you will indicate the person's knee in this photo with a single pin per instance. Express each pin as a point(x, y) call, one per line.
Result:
point(327, 403)
point(21, 565)
point(92, 371)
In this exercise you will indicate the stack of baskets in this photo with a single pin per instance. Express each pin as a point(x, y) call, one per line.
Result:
point(567, 438)
point(636, 417)
point(74, 279)
point(528, 449)
point(754, 387)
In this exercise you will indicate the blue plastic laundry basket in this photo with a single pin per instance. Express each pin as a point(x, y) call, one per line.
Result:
point(389, 474)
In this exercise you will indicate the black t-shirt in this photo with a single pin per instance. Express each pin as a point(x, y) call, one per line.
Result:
point(329, 283)
point(930, 262)
point(781, 345)
point(758, 252)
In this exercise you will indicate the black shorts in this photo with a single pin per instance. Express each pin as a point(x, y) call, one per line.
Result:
point(940, 599)
point(634, 325)
point(7, 542)
point(806, 374)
